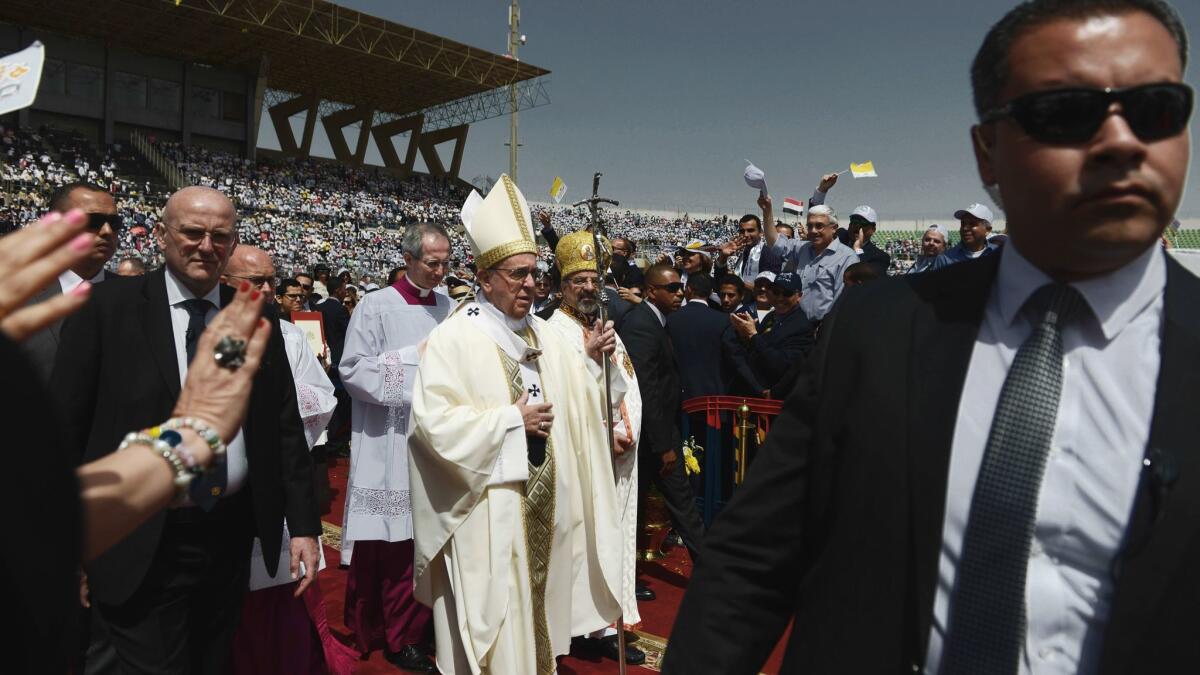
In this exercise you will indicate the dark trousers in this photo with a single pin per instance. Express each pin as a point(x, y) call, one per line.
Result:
point(183, 617)
point(677, 492)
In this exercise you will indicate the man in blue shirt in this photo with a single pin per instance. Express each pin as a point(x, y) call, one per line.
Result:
point(975, 223)
point(820, 262)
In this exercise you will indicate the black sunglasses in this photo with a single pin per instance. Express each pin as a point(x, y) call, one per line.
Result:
point(98, 220)
point(673, 287)
point(1072, 116)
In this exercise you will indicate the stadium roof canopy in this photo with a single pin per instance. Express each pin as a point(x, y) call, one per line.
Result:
point(311, 46)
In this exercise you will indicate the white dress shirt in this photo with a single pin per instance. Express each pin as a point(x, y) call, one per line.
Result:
point(657, 312)
point(748, 263)
point(177, 293)
point(68, 280)
point(1110, 368)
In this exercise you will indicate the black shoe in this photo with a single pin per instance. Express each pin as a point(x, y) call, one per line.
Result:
point(411, 659)
point(673, 540)
point(643, 593)
point(633, 655)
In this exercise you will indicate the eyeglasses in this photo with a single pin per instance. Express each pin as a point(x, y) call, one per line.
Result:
point(520, 273)
point(254, 281)
point(673, 287)
point(1072, 116)
point(96, 221)
point(582, 282)
point(436, 264)
point(293, 296)
point(196, 236)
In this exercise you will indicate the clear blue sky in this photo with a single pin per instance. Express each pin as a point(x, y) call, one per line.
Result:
point(667, 97)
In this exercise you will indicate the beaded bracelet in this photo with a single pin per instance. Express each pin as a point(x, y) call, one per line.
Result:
point(175, 440)
point(183, 477)
point(203, 430)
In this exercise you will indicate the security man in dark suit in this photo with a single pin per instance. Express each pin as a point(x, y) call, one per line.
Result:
point(170, 594)
point(782, 339)
point(695, 332)
point(644, 332)
point(1023, 494)
point(104, 222)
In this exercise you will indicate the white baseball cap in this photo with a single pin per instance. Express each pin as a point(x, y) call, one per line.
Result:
point(978, 210)
point(765, 274)
point(866, 213)
point(941, 229)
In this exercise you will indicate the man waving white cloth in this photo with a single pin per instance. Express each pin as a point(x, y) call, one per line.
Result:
point(575, 255)
point(515, 513)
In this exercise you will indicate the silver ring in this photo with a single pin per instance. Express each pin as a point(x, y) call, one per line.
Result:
point(542, 426)
point(230, 353)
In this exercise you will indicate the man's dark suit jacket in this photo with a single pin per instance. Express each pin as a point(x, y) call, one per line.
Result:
point(768, 261)
point(336, 320)
point(42, 346)
point(780, 343)
point(649, 348)
point(117, 372)
point(695, 332)
point(871, 253)
point(839, 524)
point(876, 257)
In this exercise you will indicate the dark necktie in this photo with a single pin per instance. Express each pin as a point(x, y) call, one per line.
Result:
point(987, 623)
point(197, 309)
point(205, 491)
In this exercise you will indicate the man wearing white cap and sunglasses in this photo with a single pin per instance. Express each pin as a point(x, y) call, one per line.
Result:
point(862, 227)
point(975, 224)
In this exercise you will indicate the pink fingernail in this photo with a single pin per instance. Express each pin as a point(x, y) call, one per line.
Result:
point(50, 218)
point(82, 242)
point(82, 289)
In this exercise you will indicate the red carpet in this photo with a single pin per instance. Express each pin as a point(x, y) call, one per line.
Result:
point(667, 577)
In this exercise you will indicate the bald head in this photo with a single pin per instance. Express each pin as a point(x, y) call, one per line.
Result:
point(197, 233)
point(252, 264)
point(197, 198)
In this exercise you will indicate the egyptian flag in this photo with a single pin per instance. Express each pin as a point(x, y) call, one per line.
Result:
point(793, 206)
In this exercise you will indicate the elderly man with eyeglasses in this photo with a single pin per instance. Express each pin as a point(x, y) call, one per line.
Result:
point(519, 542)
point(170, 594)
point(387, 331)
point(820, 262)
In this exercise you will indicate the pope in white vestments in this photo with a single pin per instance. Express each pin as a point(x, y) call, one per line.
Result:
point(515, 513)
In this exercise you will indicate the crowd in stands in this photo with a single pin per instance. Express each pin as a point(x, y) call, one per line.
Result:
point(306, 212)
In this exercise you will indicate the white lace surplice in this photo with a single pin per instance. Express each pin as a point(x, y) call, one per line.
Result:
point(378, 368)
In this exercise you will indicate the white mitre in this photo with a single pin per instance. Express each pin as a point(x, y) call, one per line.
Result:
point(499, 225)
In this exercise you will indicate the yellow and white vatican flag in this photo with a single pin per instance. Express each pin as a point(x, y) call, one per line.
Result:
point(864, 170)
point(20, 74)
point(558, 189)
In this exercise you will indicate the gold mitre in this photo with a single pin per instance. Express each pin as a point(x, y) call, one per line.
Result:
point(577, 252)
point(498, 225)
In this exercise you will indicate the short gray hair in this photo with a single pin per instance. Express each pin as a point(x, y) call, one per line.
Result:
point(414, 236)
point(823, 210)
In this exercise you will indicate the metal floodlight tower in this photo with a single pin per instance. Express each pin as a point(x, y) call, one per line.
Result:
point(514, 39)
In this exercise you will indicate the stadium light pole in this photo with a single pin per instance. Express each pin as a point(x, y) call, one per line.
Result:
point(514, 39)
